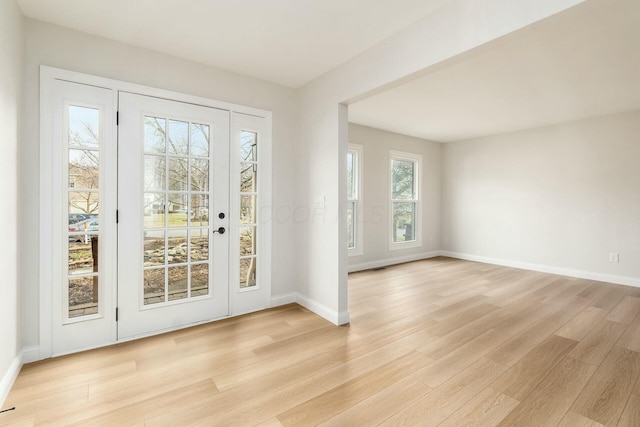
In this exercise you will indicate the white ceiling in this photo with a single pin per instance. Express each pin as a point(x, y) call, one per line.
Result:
point(584, 62)
point(289, 42)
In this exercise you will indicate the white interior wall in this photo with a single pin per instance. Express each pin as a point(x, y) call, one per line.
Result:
point(55, 46)
point(461, 25)
point(375, 198)
point(557, 199)
point(11, 66)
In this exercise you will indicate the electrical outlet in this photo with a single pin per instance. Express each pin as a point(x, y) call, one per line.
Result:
point(613, 257)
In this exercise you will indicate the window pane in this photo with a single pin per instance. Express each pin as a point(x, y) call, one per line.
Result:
point(199, 279)
point(248, 209)
point(178, 142)
point(154, 173)
point(404, 222)
point(247, 272)
point(154, 210)
point(199, 175)
point(247, 241)
point(351, 183)
point(84, 169)
point(154, 135)
point(154, 251)
point(153, 286)
point(199, 140)
point(403, 173)
point(248, 146)
point(177, 246)
point(248, 177)
point(351, 217)
point(83, 296)
point(178, 280)
point(85, 203)
point(178, 174)
point(84, 127)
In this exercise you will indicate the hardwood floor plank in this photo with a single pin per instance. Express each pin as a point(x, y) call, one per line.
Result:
point(523, 377)
point(597, 344)
point(580, 325)
point(486, 409)
point(571, 419)
point(553, 396)
point(605, 395)
point(448, 366)
point(625, 311)
point(438, 404)
point(631, 337)
point(631, 414)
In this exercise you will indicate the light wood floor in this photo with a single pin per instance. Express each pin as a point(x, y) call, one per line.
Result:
point(435, 342)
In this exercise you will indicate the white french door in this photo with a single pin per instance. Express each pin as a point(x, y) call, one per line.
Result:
point(155, 211)
point(173, 209)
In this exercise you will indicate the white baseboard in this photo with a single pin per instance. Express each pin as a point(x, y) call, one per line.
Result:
point(283, 299)
point(30, 354)
point(9, 378)
point(600, 277)
point(392, 261)
point(323, 311)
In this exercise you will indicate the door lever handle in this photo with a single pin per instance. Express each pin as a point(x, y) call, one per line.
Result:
point(220, 230)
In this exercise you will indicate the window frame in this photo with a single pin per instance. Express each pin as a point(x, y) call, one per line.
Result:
point(358, 151)
point(417, 200)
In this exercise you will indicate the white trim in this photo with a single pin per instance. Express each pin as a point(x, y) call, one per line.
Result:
point(358, 150)
point(323, 311)
point(9, 378)
point(283, 299)
point(392, 261)
point(580, 274)
point(417, 227)
point(30, 354)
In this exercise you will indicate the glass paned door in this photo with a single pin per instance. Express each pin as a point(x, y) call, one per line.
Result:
point(173, 255)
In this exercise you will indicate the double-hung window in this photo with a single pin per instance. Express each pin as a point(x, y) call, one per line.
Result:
point(405, 215)
point(354, 199)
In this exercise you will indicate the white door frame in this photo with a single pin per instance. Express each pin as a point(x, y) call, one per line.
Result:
point(48, 244)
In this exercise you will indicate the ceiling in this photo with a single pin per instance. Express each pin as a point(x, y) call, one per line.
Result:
point(289, 42)
point(584, 62)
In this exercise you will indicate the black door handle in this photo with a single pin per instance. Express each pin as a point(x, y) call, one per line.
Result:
point(220, 230)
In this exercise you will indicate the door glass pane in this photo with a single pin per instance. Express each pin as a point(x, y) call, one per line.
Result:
point(178, 142)
point(199, 140)
point(83, 254)
point(154, 210)
point(199, 175)
point(178, 210)
point(247, 241)
point(177, 247)
point(85, 203)
point(153, 286)
point(200, 210)
point(154, 251)
point(402, 181)
point(247, 272)
point(178, 283)
point(84, 169)
point(248, 209)
point(199, 279)
point(154, 135)
point(351, 183)
point(84, 127)
point(248, 177)
point(248, 146)
point(199, 248)
point(178, 174)
point(83, 296)
point(403, 221)
point(154, 173)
